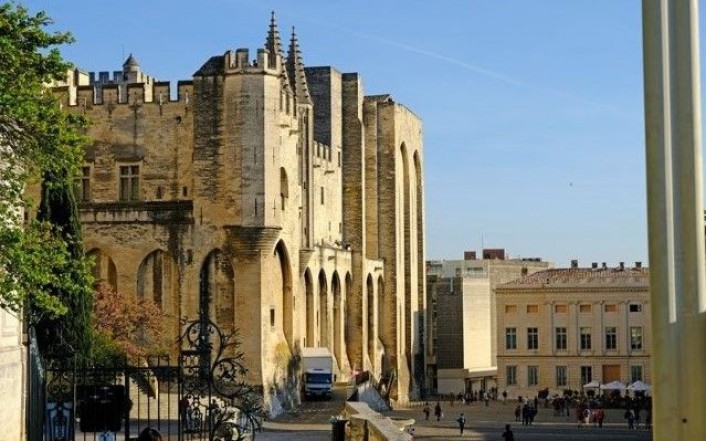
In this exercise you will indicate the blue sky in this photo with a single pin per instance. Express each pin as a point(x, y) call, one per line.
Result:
point(532, 110)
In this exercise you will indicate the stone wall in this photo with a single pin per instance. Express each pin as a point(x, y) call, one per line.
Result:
point(250, 194)
point(367, 425)
point(12, 378)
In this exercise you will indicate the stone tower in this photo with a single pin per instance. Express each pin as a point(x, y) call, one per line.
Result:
point(275, 197)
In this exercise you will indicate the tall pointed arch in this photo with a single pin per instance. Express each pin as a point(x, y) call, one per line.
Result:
point(285, 288)
point(370, 317)
point(157, 280)
point(323, 310)
point(103, 269)
point(217, 290)
point(337, 317)
point(310, 314)
point(380, 314)
point(354, 324)
point(406, 319)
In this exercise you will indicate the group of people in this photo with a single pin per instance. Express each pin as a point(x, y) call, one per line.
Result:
point(507, 435)
point(633, 418)
point(527, 412)
point(585, 415)
point(470, 396)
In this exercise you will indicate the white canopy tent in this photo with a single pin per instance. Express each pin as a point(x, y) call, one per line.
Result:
point(592, 385)
point(639, 386)
point(613, 385)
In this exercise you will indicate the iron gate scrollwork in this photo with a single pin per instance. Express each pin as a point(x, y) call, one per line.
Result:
point(204, 396)
point(217, 403)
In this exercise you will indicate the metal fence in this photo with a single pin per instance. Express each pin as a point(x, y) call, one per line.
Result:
point(201, 395)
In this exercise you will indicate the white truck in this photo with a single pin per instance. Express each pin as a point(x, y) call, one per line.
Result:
point(317, 378)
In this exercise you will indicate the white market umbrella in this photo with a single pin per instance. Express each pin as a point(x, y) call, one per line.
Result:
point(613, 385)
point(592, 385)
point(639, 386)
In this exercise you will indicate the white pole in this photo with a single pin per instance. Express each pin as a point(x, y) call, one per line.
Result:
point(675, 217)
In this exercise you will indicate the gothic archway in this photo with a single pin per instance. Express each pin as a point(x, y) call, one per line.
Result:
point(104, 269)
point(323, 310)
point(285, 287)
point(217, 290)
point(336, 290)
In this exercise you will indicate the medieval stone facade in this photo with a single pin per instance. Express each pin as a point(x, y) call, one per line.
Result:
point(277, 198)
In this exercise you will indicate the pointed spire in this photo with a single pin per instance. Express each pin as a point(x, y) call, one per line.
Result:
point(295, 69)
point(273, 44)
point(131, 64)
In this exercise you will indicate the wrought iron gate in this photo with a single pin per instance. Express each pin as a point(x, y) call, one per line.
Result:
point(203, 396)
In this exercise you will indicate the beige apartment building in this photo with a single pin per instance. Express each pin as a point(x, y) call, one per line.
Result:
point(562, 328)
point(461, 342)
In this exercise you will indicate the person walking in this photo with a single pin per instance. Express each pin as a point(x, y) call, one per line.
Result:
point(630, 416)
point(461, 420)
point(600, 416)
point(507, 434)
point(438, 413)
point(426, 411)
point(518, 411)
point(504, 397)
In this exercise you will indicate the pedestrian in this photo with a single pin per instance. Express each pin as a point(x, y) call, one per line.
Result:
point(518, 411)
point(461, 420)
point(184, 404)
point(536, 402)
point(507, 434)
point(579, 415)
point(438, 413)
point(630, 416)
point(586, 416)
point(648, 419)
point(504, 396)
point(149, 434)
point(486, 398)
point(525, 415)
point(410, 431)
point(426, 411)
point(600, 415)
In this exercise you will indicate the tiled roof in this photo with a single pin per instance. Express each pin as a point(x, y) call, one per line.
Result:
point(213, 66)
point(565, 277)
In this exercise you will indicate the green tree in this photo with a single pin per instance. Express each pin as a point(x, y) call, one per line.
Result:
point(42, 265)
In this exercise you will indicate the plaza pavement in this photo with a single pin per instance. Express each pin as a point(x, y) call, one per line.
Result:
point(482, 423)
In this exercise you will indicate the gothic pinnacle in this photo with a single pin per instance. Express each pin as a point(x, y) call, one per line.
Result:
point(273, 44)
point(295, 69)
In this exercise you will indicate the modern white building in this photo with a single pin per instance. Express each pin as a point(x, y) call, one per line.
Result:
point(461, 342)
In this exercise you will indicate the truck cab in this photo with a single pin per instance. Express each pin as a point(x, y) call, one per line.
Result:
point(317, 378)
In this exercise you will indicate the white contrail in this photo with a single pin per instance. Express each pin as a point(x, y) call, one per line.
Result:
point(460, 63)
point(479, 70)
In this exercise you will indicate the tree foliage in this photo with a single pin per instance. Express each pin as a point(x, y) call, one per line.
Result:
point(126, 325)
point(41, 262)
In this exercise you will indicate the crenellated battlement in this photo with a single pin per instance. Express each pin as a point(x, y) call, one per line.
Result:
point(158, 92)
point(239, 61)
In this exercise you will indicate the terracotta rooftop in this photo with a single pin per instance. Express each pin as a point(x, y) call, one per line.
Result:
point(560, 277)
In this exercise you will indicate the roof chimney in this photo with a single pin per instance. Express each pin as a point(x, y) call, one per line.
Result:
point(638, 265)
point(574, 263)
point(604, 265)
point(622, 266)
point(594, 265)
